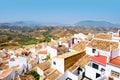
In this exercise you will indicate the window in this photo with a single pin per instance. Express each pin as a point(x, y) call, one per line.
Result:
point(95, 66)
point(93, 50)
point(115, 74)
point(54, 62)
point(97, 75)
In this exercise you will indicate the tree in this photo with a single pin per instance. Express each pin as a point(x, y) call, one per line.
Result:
point(35, 74)
point(48, 57)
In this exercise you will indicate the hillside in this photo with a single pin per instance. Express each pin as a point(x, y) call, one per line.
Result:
point(19, 36)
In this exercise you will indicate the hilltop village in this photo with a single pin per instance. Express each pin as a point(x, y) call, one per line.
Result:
point(79, 57)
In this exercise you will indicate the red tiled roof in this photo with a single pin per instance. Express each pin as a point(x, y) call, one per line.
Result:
point(42, 51)
point(115, 61)
point(100, 59)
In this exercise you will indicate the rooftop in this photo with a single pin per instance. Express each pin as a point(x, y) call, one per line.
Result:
point(26, 77)
point(100, 59)
point(68, 54)
point(44, 65)
point(2, 54)
point(103, 44)
point(80, 46)
point(115, 61)
point(53, 42)
point(42, 51)
point(81, 62)
point(3, 65)
point(54, 75)
point(49, 71)
point(103, 36)
point(5, 73)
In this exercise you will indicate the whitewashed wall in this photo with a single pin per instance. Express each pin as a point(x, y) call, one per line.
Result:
point(39, 71)
point(59, 64)
point(115, 53)
point(102, 52)
point(51, 51)
point(111, 67)
point(91, 72)
point(42, 56)
point(65, 44)
point(89, 51)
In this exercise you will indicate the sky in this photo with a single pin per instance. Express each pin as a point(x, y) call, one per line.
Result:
point(60, 11)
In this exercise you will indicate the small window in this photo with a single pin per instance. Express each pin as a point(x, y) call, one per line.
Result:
point(115, 74)
point(97, 75)
point(95, 66)
point(93, 50)
point(54, 63)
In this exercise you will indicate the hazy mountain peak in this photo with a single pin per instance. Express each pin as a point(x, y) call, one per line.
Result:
point(95, 23)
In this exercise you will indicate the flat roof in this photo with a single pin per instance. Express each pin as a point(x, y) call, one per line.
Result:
point(115, 61)
point(68, 54)
point(100, 59)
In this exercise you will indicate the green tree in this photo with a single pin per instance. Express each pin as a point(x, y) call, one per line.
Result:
point(35, 74)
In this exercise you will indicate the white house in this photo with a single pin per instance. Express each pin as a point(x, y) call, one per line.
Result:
point(42, 67)
point(51, 51)
point(97, 67)
point(113, 69)
point(64, 61)
point(80, 36)
point(116, 37)
point(106, 48)
point(103, 51)
point(77, 70)
point(45, 51)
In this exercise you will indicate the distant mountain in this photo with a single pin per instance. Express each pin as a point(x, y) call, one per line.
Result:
point(96, 23)
point(32, 23)
point(80, 23)
point(20, 23)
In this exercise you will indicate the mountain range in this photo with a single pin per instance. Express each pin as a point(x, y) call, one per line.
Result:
point(80, 23)
point(96, 23)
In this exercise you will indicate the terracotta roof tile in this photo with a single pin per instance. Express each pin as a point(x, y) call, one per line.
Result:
point(54, 75)
point(103, 44)
point(66, 55)
point(103, 36)
point(44, 65)
point(81, 62)
point(80, 46)
point(115, 61)
point(27, 77)
point(49, 71)
point(42, 51)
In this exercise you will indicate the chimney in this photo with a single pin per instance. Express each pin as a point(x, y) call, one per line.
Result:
point(118, 33)
point(72, 40)
point(97, 53)
point(110, 50)
point(59, 44)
